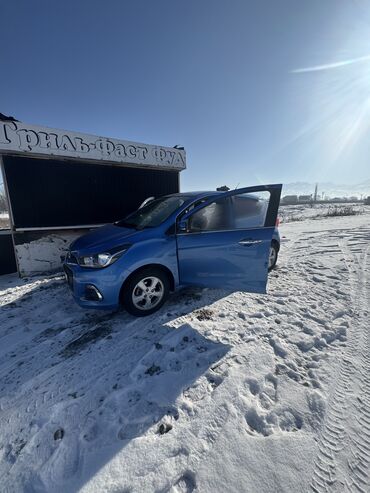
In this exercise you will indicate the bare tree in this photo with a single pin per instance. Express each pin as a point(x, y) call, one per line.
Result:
point(3, 202)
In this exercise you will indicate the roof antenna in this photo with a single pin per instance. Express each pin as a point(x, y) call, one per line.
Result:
point(237, 186)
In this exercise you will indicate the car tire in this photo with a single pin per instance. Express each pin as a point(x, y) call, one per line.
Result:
point(145, 291)
point(273, 255)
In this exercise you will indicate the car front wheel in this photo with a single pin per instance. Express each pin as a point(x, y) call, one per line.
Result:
point(273, 255)
point(145, 292)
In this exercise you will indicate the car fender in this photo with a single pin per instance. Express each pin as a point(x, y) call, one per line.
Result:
point(158, 251)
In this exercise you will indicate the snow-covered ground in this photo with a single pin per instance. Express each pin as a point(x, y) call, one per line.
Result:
point(301, 212)
point(4, 220)
point(215, 393)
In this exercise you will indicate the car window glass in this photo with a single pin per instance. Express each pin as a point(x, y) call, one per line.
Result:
point(249, 209)
point(213, 217)
point(191, 207)
point(153, 214)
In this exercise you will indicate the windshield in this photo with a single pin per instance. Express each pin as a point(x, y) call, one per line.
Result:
point(153, 214)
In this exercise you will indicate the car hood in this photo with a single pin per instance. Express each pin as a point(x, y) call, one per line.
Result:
point(106, 237)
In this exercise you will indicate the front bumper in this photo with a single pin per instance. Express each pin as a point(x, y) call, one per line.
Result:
point(93, 288)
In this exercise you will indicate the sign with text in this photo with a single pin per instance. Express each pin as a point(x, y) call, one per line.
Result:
point(32, 139)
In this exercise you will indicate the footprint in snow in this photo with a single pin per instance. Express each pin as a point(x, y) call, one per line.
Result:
point(282, 419)
point(185, 484)
point(253, 385)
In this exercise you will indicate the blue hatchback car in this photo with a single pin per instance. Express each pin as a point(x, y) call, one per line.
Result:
point(209, 239)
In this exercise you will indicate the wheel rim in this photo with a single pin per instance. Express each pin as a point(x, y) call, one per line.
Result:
point(272, 256)
point(148, 293)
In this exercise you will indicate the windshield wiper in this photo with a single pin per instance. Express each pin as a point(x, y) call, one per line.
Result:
point(124, 224)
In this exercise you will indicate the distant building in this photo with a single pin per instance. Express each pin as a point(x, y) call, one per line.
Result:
point(289, 199)
point(305, 198)
point(367, 200)
point(353, 199)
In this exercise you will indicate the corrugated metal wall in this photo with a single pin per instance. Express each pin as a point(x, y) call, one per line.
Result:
point(53, 192)
point(7, 258)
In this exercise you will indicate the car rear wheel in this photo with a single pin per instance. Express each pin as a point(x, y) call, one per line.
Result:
point(145, 292)
point(273, 255)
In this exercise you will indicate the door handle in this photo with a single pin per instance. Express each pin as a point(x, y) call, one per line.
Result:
point(249, 242)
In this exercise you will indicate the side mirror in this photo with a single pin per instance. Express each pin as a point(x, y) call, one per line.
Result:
point(182, 226)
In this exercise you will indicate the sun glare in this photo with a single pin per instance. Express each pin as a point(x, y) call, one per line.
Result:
point(338, 99)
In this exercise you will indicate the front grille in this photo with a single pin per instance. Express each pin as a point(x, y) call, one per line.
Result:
point(69, 276)
point(73, 259)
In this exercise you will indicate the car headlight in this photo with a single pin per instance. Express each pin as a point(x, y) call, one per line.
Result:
point(100, 260)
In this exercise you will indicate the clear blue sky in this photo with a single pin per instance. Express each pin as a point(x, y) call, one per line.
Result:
point(221, 78)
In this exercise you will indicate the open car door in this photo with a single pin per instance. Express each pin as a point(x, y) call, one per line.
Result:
point(225, 241)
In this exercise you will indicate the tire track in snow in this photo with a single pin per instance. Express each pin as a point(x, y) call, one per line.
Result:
point(335, 434)
point(359, 446)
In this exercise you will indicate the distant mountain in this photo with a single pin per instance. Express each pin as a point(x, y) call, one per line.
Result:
point(329, 189)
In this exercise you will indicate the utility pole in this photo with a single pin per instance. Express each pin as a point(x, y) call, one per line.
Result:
point(315, 194)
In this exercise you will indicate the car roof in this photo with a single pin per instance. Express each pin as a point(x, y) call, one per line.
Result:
point(195, 195)
point(203, 194)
